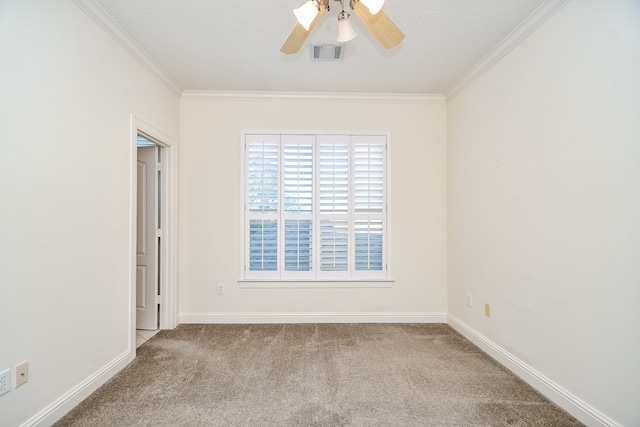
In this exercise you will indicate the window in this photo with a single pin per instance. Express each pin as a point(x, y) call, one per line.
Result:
point(315, 207)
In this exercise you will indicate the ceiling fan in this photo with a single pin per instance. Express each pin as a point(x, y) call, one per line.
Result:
point(369, 11)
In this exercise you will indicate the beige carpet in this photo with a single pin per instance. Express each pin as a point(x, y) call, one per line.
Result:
point(314, 375)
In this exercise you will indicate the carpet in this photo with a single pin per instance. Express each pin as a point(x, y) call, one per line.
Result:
point(314, 375)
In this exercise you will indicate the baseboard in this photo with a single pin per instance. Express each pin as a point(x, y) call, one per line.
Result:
point(231, 318)
point(71, 399)
point(553, 391)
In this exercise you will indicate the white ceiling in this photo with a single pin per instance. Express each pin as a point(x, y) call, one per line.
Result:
point(235, 45)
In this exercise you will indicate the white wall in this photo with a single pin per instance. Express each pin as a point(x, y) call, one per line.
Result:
point(67, 91)
point(209, 188)
point(544, 203)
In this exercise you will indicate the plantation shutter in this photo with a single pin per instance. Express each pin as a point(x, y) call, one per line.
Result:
point(315, 207)
point(263, 182)
point(298, 153)
point(369, 154)
point(334, 203)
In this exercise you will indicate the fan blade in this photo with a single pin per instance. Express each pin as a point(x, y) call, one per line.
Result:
point(296, 39)
point(385, 30)
point(298, 35)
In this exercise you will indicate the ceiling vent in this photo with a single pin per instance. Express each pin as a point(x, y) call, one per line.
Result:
point(327, 52)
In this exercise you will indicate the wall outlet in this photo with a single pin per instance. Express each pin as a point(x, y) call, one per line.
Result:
point(5, 381)
point(469, 300)
point(221, 288)
point(22, 373)
point(487, 310)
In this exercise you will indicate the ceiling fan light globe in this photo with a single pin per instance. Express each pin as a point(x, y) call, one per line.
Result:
point(374, 6)
point(306, 13)
point(345, 29)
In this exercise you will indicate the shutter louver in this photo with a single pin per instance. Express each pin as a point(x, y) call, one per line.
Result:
point(263, 245)
point(297, 245)
point(298, 178)
point(263, 177)
point(334, 178)
point(368, 178)
point(368, 250)
point(334, 247)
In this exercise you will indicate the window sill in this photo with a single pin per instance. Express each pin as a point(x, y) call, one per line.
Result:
point(315, 284)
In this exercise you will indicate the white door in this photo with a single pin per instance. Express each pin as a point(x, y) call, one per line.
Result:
point(148, 240)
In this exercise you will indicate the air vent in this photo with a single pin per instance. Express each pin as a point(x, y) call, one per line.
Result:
point(327, 52)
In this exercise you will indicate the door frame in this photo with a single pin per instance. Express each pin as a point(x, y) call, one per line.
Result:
point(169, 209)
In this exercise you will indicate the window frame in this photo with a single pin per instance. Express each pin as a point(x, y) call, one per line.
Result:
point(282, 278)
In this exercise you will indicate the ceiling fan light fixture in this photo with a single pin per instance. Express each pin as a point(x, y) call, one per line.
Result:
point(345, 28)
point(374, 6)
point(306, 13)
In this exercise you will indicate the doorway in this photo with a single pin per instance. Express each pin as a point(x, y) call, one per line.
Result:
point(153, 226)
point(148, 238)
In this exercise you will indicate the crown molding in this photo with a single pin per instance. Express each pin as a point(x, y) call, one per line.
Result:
point(528, 26)
point(392, 98)
point(97, 13)
point(533, 21)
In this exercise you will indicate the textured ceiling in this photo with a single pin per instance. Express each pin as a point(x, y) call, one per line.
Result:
point(234, 45)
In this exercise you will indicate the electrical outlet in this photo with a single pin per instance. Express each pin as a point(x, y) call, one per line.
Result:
point(487, 310)
point(22, 373)
point(5, 381)
point(221, 288)
point(469, 300)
